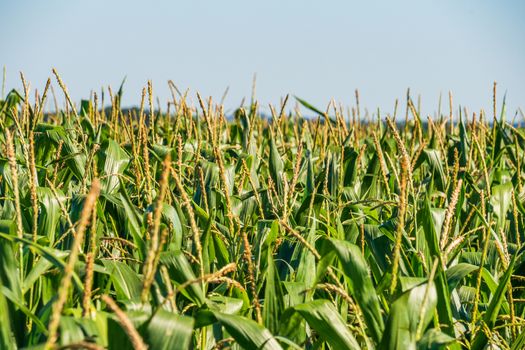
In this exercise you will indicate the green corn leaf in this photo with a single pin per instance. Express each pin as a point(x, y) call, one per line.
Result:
point(167, 330)
point(322, 316)
point(361, 287)
point(247, 333)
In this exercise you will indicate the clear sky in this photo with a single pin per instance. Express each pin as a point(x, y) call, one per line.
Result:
point(313, 49)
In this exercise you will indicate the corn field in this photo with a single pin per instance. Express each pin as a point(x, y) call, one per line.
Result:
point(183, 228)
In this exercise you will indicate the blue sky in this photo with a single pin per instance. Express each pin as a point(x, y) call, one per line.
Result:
point(313, 49)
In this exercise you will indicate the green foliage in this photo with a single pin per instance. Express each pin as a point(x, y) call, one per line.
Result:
point(258, 233)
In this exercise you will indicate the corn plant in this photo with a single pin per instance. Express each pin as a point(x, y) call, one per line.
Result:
point(184, 228)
